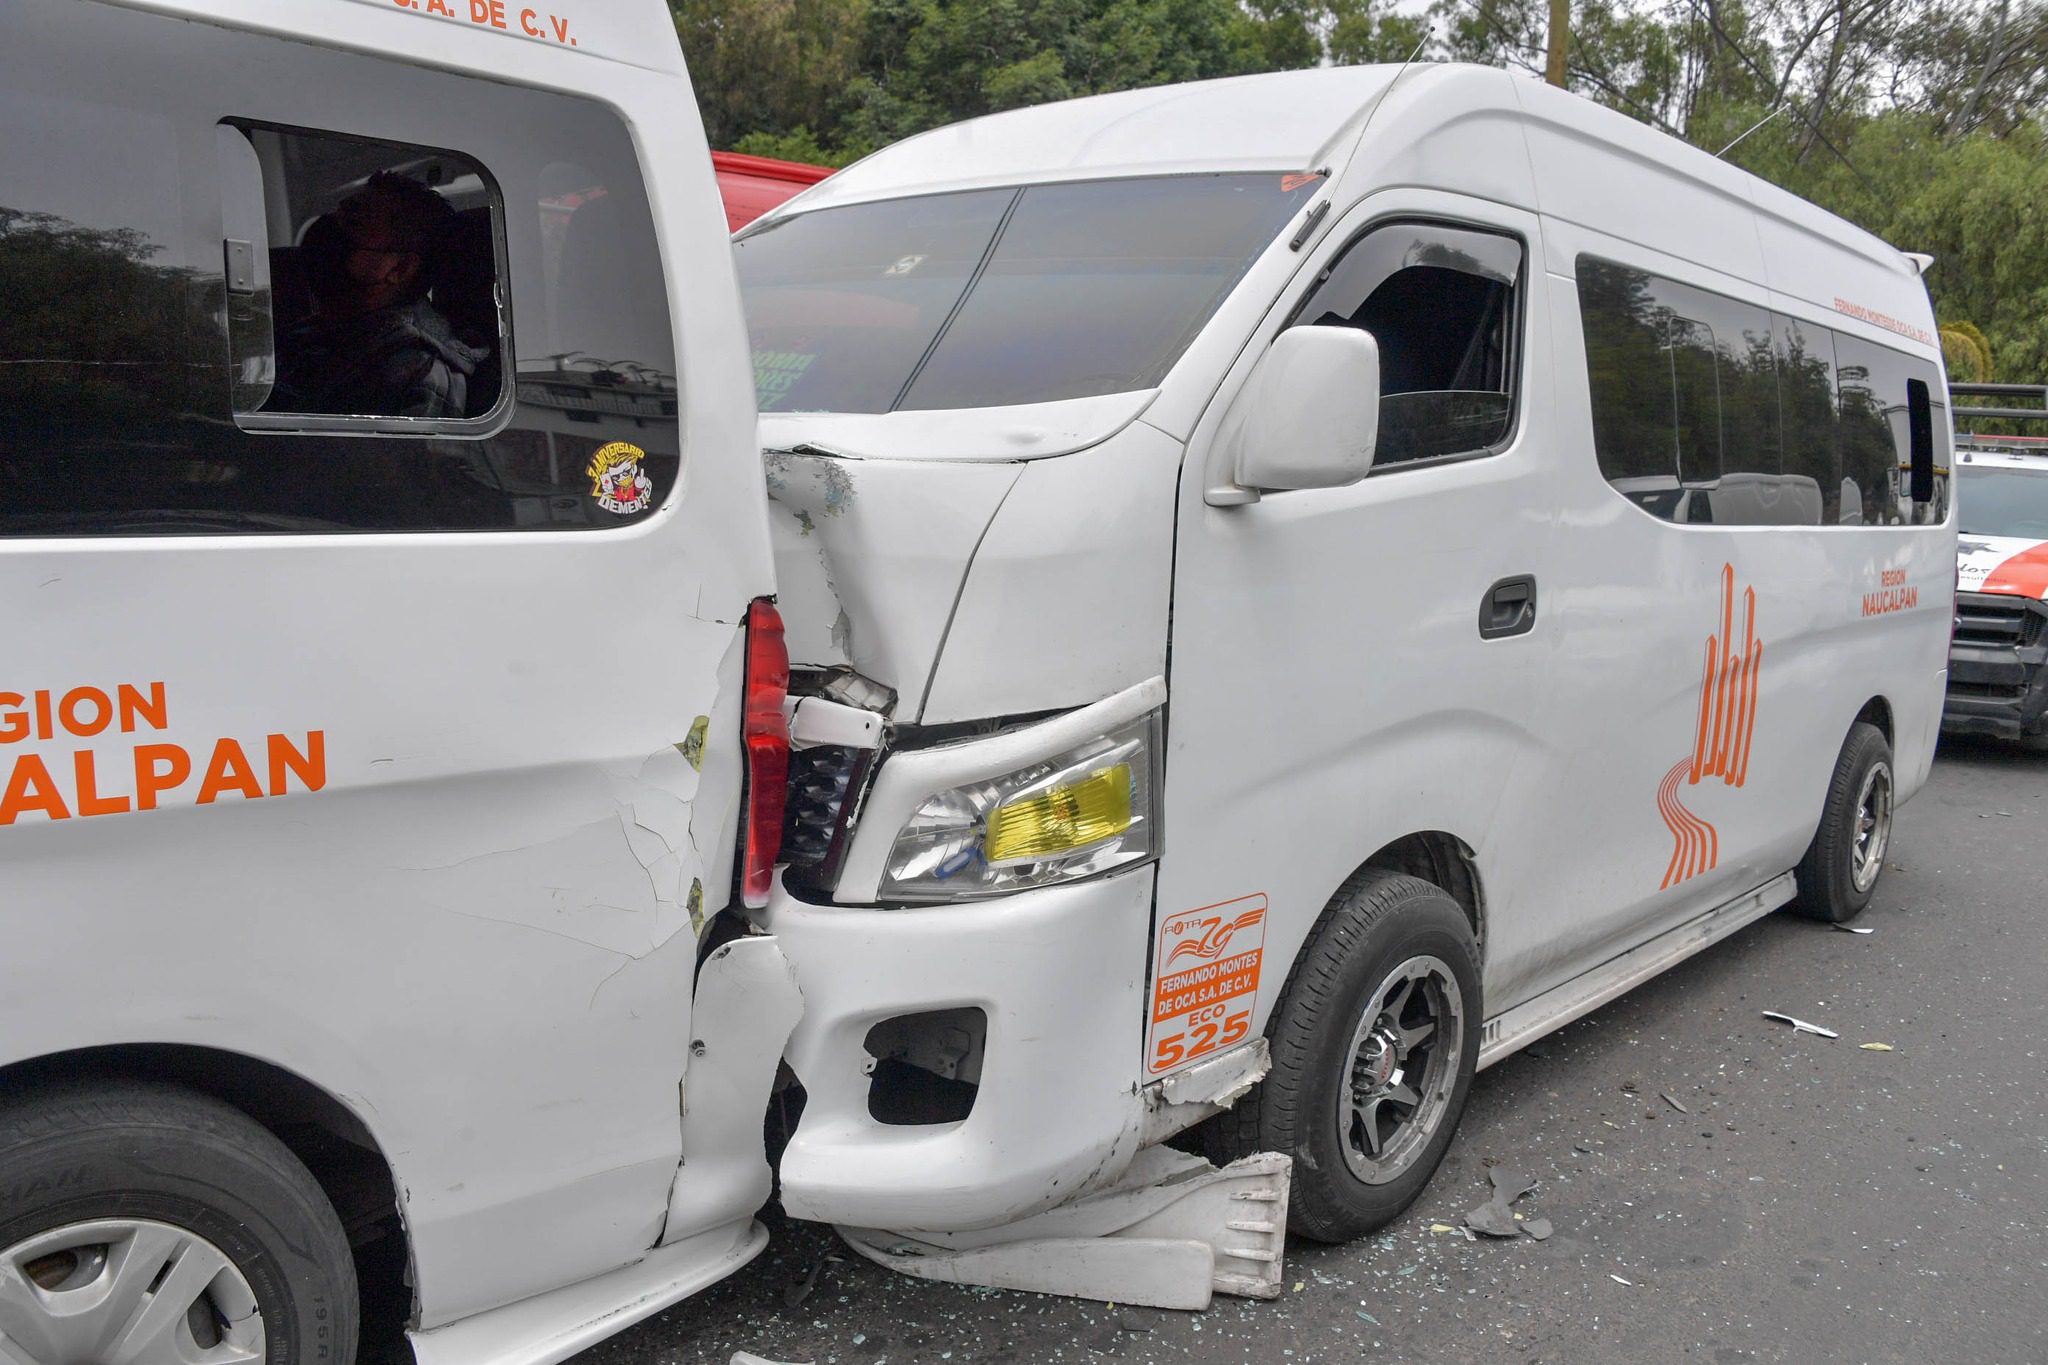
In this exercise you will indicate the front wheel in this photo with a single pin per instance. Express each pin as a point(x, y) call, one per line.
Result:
point(1374, 1040)
point(1839, 873)
point(142, 1224)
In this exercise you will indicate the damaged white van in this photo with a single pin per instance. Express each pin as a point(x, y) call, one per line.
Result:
point(1344, 574)
point(383, 561)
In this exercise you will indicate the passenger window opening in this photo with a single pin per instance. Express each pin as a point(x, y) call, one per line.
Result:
point(383, 266)
point(1441, 303)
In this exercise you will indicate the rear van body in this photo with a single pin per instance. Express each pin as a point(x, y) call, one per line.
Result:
point(371, 772)
point(1356, 571)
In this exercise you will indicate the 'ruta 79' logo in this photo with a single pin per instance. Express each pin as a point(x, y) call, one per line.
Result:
point(1721, 737)
point(1214, 938)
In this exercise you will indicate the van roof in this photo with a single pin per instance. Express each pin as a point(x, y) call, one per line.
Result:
point(523, 40)
point(1280, 121)
point(1468, 129)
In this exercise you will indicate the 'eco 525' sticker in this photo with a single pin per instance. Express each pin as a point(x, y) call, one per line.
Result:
point(1206, 982)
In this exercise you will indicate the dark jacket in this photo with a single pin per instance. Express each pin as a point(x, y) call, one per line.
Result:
point(396, 362)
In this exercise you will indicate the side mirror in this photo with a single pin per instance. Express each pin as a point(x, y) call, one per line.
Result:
point(1308, 418)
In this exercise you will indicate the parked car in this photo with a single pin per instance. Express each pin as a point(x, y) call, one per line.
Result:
point(1998, 666)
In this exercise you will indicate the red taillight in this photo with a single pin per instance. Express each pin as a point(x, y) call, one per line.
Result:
point(767, 739)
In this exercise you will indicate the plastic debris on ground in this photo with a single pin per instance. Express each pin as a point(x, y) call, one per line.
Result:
point(795, 1295)
point(1618, 1280)
point(1497, 1217)
point(1800, 1025)
point(1875, 1047)
point(1855, 928)
point(1674, 1103)
point(749, 1358)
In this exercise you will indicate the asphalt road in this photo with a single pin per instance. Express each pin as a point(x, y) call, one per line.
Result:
point(1814, 1201)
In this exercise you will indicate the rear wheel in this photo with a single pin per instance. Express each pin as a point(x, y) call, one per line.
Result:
point(1374, 1039)
point(1839, 873)
point(141, 1224)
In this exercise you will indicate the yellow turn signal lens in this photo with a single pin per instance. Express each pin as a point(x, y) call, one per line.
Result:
point(1061, 819)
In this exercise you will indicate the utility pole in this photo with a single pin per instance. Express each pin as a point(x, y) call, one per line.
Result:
point(1560, 21)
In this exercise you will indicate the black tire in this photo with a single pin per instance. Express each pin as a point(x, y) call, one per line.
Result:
point(1827, 875)
point(143, 1153)
point(1376, 923)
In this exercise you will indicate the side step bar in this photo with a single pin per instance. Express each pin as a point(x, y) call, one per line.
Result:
point(1508, 1033)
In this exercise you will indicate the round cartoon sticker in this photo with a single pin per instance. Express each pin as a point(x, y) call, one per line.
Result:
point(618, 482)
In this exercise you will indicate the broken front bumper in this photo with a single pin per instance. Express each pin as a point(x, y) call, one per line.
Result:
point(1059, 1107)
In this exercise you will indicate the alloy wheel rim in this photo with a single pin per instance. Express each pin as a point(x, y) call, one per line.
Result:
point(1873, 826)
point(125, 1291)
point(1400, 1070)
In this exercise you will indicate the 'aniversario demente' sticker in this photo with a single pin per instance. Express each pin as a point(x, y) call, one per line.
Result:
point(618, 481)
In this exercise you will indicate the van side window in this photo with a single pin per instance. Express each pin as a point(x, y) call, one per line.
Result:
point(382, 268)
point(1441, 302)
point(1708, 410)
point(186, 347)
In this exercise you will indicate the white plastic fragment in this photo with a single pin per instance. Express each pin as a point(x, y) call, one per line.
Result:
point(749, 1358)
point(1855, 928)
point(1173, 1232)
point(1618, 1280)
point(1800, 1025)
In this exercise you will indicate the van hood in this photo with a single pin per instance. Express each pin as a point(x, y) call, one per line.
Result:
point(2004, 564)
point(1031, 431)
point(870, 557)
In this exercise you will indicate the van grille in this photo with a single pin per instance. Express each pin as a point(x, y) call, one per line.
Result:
point(1996, 620)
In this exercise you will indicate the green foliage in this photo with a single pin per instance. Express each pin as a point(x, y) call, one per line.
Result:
point(1919, 120)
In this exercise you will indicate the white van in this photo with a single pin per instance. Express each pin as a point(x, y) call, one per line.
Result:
point(1998, 666)
point(381, 523)
point(1355, 567)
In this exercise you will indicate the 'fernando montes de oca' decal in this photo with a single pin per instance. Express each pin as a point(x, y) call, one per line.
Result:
point(618, 481)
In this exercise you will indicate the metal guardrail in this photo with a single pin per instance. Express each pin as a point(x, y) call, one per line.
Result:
point(2038, 392)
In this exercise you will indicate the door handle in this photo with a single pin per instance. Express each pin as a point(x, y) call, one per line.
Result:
point(1509, 608)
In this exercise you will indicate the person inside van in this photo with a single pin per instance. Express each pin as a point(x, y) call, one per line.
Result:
point(374, 344)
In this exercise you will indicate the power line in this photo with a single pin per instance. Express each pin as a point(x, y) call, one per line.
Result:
point(1764, 76)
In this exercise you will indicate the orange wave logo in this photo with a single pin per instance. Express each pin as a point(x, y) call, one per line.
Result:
point(1213, 940)
point(1721, 738)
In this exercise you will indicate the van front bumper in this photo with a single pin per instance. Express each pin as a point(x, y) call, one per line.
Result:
point(1059, 973)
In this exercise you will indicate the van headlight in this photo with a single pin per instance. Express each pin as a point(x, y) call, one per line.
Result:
point(1089, 809)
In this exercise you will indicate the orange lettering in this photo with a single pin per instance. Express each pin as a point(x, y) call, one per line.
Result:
point(561, 30)
point(533, 30)
point(90, 802)
point(30, 788)
point(103, 711)
point(13, 723)
point(310, 766)
point(229, 770)
point(150, 780)
point(134, 708)
point(440, 7)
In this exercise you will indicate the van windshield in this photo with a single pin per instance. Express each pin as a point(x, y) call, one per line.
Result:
point(986, 298)
point(1994, 501)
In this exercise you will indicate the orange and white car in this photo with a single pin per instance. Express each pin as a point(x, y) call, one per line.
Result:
point(1998, 666)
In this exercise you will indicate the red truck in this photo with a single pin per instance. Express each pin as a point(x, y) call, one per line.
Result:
point(752, 185)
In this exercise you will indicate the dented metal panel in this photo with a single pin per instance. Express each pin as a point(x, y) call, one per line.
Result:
point(871, 555)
